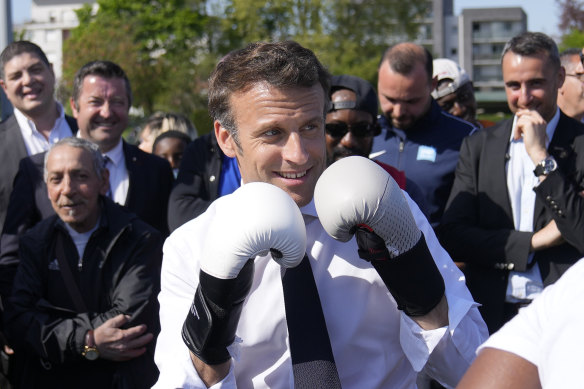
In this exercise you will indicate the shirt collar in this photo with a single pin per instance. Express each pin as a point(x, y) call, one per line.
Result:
point(550, 129)
point(28, 125)
point(116, 154)
point(309, 209)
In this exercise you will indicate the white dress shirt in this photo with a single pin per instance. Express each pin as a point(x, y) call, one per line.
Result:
point(548, 333)
point(34, 141)
point(522, 286)
point(374, 344)
point(119, 178)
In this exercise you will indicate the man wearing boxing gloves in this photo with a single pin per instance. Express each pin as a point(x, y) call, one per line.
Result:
point(267, 288)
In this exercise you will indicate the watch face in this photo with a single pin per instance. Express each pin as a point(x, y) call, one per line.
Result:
point(550, 165)
point(91, 353)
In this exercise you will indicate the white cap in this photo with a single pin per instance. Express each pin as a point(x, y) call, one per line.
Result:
point(447, 68)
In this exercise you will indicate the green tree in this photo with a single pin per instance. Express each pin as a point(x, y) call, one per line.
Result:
point(168, 48)
point(347, 35)
point(571, 23)
point(160, 45)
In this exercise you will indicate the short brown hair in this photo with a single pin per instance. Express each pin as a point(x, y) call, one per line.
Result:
point(105, 69)
point(403, 57)
point(280, 64)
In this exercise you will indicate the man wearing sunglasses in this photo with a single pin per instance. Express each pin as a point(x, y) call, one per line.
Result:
point(571, 94)
point(417, 136)
point(351, 124)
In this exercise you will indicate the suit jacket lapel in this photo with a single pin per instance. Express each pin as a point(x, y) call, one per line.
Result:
point(497, 153)
point(15, 136)
point(132, 164)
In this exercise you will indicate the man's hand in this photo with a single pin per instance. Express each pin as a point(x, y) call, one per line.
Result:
point(256, 219)
point(117, 344)
point(531, 126)
point(355, 196)
point(547, 237)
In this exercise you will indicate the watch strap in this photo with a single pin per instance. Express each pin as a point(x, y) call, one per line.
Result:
point(545, 167)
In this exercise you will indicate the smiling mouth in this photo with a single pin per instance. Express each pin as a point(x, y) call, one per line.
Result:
point(293, 175)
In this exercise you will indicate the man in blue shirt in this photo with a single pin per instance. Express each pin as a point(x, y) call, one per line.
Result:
point(418, 137)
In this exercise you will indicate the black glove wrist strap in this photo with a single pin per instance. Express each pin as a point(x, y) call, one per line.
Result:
point(413, 279)
point(214, 315)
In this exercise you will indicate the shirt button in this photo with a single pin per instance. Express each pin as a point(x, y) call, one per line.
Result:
point(212, 178)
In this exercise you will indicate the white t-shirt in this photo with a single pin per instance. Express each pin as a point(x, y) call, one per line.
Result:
point(374, 344)
point(548, 333)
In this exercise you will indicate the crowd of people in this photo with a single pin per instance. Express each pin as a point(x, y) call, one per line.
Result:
point(308, 240)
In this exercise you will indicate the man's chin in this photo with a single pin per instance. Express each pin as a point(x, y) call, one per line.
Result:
point(402, 125)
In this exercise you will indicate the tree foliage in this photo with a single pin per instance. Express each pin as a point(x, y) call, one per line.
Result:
point(168, 48)
point(571, 23)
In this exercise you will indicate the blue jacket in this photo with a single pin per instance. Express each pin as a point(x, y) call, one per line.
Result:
point(427, 153)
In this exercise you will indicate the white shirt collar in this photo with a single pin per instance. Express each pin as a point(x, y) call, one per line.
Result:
point(117, 153)
point(26, 125)
point(309, 209)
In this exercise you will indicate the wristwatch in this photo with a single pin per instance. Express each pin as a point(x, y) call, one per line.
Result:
point(545, 167)
point(89, 350)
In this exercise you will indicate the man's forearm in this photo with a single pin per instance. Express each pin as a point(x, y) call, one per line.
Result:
point(436, 318)
point(210, 374)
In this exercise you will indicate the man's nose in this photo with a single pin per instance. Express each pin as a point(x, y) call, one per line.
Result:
point(26, 77)
point(398, 110)
point(295, 150)
point(105, 110)
point(524, 97)
point(67, 186)
point(348, 140)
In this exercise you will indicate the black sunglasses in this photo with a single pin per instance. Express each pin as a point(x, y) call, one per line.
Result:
point(359, 130)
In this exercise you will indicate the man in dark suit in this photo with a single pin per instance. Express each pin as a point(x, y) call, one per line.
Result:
point(27, 78)
point(515, 211)
point(140, 181)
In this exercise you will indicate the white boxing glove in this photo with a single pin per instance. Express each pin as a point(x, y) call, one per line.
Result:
point(357, 196)
point(356, 191)
point(255, 219)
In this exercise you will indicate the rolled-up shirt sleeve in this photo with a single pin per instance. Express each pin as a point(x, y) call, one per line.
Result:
point(445, 353)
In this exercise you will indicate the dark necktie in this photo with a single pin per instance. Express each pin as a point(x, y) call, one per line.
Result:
point(107, 163)
point(313, 362)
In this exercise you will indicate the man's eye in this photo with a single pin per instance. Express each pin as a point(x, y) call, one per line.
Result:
point(272, 132)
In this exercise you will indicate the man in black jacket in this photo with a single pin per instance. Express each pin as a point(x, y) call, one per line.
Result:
point(514, 215)
point(83, 312)
point(205, 174)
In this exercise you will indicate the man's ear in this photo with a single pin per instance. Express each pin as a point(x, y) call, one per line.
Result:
point(73, 108)
point(225, 140)
point(2, 84)
point(105, 184)
point(561, 76)
point(433, 83)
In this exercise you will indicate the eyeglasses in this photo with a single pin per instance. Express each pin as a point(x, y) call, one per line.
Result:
point(359, 130)
point(580, 77)
point(582, 58)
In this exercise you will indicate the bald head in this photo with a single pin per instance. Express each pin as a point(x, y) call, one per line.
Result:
point(404, 57)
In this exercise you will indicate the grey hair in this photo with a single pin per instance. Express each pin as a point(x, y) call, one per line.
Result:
point(90, 147)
